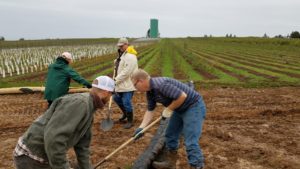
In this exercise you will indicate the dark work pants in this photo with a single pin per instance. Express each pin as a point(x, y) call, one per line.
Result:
point(25, 162)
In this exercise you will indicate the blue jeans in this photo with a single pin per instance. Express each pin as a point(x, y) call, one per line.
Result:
point(123, 100)
point(189, 123)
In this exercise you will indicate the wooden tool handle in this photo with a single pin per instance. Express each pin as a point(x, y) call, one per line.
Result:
point(127, 142)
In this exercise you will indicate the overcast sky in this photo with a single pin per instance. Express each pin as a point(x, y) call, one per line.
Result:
point(40, 19)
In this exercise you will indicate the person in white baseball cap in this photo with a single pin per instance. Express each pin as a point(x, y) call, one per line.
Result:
point(67, 123)
point(105, 85)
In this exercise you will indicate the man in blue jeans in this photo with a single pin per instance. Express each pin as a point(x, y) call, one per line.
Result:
point(125, 64)
point(186, 110)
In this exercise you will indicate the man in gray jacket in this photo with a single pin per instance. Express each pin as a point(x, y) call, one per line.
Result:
point(66, 124)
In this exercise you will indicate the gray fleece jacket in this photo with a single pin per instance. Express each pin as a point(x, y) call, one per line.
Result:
point(66, 124)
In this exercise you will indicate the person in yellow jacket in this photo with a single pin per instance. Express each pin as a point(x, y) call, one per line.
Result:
point(125, 65)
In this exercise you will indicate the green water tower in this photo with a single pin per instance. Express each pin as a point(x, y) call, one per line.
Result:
point(154, 28)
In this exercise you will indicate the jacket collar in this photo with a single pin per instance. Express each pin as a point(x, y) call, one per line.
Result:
point(152, 85)
point(61, 60)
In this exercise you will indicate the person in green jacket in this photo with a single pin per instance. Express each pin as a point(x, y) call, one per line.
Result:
point(66, 124)
point(59, 77)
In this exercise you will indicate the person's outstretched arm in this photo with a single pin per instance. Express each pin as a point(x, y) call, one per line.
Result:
point(76, 77)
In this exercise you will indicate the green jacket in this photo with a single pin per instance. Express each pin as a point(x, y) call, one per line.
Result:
point(58, 79)
point(66, 124)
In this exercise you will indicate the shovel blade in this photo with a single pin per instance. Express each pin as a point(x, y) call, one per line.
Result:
point(106, 124)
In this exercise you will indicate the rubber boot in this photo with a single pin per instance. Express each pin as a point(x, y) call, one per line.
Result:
point(124, 116)
point(170, 161)
point(199, 165)
point(129, 123)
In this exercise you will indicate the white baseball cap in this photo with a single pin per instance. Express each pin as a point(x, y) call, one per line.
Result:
point(67, 55)
point(104, 83)
point(122, 41)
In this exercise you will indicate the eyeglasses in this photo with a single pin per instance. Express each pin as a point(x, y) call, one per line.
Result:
point(136, 82)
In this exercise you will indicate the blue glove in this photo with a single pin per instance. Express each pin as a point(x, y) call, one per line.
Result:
point(136, 135)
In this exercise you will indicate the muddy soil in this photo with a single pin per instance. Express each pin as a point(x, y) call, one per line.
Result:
point(244, 129)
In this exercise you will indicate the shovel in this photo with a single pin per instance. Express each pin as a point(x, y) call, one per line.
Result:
point(107, 123)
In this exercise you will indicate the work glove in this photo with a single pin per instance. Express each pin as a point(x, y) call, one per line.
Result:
point(136, 135)
point(167, 113)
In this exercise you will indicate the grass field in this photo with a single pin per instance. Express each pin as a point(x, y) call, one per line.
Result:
point(235, 62)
